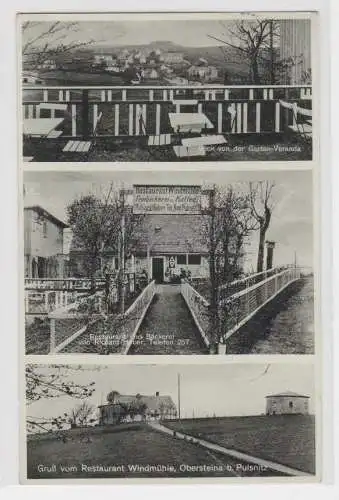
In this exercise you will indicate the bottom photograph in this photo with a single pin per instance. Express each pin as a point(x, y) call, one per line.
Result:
point(169, 421)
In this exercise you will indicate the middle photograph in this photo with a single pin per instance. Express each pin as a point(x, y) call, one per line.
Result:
point(168, 263)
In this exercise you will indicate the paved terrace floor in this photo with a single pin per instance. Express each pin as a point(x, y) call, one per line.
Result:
point(168, 327)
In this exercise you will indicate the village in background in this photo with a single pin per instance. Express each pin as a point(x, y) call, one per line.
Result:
point(181, 432)
point(231, 90)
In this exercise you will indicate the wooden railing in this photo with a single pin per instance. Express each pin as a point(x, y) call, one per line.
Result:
point(199, 308)
point(135, 111)
point(72, 320)
point(240, 307)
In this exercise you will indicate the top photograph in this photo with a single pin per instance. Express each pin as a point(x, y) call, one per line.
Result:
point(166, 87)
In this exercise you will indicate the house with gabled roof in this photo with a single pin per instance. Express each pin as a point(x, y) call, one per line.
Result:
point(43, 244)
point(128, 408)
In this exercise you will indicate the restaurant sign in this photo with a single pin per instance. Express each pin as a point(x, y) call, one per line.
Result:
point(148, 199)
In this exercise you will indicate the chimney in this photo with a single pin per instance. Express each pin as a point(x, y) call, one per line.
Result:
point(157, 394)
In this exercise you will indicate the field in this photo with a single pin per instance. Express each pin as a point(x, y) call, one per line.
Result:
point(121, 447)
point(286, 439)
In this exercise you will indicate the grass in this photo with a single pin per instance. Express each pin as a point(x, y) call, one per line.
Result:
point(127, 445)
point(286, 439)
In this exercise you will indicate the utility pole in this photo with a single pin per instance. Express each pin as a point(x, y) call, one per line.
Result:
point(122, 253)
point(179, 402)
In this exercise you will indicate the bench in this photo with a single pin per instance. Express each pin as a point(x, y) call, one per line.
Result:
point(205, 140)
point(188, 151)
point(80, 147)
point(303, 128)
point(159, 140)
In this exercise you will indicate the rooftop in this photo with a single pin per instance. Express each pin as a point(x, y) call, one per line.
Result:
point(288, 394)
point(44, 213)
point(153, 403)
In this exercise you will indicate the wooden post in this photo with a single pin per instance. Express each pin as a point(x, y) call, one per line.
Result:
point(52, 335)
point(277, 116)
point(244, 121)
point(74, 119)
point(251, 95)
point(151, 95)
point(219, 117)
point(137, 119)
point(85, 115)
point(239, 120)
point(124, 95)
point(95, 116)
point(116, 119)
point(157, 120)
point(130, 120)
point(257, 117)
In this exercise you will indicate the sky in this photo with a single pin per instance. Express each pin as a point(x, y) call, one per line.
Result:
point(190, 33)
point(291, 224)
point(221, 389)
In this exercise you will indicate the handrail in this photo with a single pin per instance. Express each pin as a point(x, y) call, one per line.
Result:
point(160, 87)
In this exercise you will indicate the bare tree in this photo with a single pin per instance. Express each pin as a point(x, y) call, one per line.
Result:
point(261, 209)
point(42, 41)
point(53, 383)
point(96, 222)
point(227, 226)
point(113, 396)
point(82, 413)
point(254, 40)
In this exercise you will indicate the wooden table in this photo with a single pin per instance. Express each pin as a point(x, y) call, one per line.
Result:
point(40, 127)
point(189, 122)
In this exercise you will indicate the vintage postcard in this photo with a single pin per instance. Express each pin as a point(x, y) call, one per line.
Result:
point(134, 263)
point(167, 87)
point(223, 422)
point(170, 247)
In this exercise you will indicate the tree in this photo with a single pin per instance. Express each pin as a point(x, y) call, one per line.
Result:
point(228, 224)
point(98, 224)
point(261, 208)
point(54, 382)
point(253, 39)
point(43, 41)
point(113, 396)
point(82, 413)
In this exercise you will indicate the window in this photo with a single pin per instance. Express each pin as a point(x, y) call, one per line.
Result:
point(194, 260)
point(181, 260)
point(290, 404)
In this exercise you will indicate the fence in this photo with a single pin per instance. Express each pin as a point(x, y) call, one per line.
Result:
point(131, 111)
point(68, 323)
point(39, 302)
point(80, 284)
point(199, 308)
point(236, 286)
point(237, 309)
point(134, 315)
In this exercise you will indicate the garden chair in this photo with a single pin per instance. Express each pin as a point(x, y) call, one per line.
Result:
point(82, 147)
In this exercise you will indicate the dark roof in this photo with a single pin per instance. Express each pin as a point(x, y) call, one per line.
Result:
point(288, 394)
point(153, 403)
point(42, 211)
point(172, 234)
point(165, 234)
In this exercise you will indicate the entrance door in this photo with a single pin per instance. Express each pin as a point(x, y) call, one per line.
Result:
point(158, 269)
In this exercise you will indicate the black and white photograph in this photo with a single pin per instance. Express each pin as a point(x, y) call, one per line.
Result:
point(168, 263)
point(166, 87)
point(230, 421)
